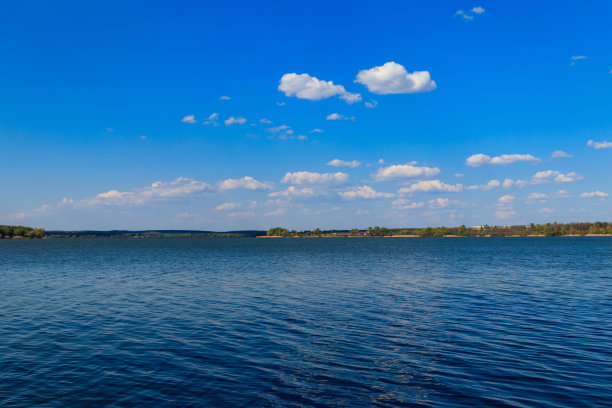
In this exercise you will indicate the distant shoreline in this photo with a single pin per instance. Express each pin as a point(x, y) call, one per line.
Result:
point(595, 229)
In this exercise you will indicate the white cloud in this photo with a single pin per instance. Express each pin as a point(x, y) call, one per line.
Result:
point(541, 177)
point(180, 187)
point(392, 78)
point(245, 183)
point(306, 177)
point(470, 14)
point(240, 214)
point(304, 86)
point(266, 121)
point(578, 57)
point(594, 194)
point(231, 120)
point(479, 160)
point(491, 184)
point(459, 175)
point(189, 119)
point(506, 199)
point(537, 196)
point(225, 98)
point(371, 105)
point(599, 145)
point(560, 154)
point(337, 116)
point(400, 171)
point(316, 131)
point(342, 163)
point(556, 176)
point(430, 186)
point(404, 204)
point(443, 203)
point(227, 206)
point(545, 210)
point(366, 192)
point(212, 119)
point(292, 191)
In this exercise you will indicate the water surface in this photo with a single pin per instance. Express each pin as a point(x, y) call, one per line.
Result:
point(515, 322)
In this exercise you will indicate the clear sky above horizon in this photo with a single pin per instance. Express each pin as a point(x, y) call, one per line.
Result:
point(243, 115)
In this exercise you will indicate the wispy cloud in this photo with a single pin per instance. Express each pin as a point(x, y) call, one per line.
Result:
point(599, 145)
point(343, 163)
point(189, 119)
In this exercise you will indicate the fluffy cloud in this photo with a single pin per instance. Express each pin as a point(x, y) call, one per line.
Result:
point(188, 119)
point(392, 78)
point(337, 116)
point(225, 98)
point(371, 105)
point(560, 154)
point(403, 204)
point(599, 145)
point(479, 160)
point(342, 163)
point(401, 171)
point(430, 186)
point(227, 206)
point(245, 183)
point(306, 177)
point(366, 192)
point(594, 194)
point(231, 120)
point(292, 191)
point(304, 86)
point(266, 121)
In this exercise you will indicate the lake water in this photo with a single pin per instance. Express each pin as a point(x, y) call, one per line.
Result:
point(440, 322)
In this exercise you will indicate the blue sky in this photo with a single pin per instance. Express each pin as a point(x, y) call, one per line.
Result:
point(240, 115)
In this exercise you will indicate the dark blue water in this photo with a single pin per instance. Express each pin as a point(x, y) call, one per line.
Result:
point(521, 322)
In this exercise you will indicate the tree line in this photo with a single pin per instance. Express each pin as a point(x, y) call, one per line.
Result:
point(19, 231)
point(548, 230)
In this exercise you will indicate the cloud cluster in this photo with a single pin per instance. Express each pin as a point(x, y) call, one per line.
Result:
point(343, 163)
point(470, 14)
point(480, 160)
point(542, 177)
point(599, 145)
point(491, 184)
point(307, 177)
point(431, 186)
point(560, 154)
point(392, 78)
point(304, 86)
point(597, 193)
point(365, 192)
point(404, 171)
point(245, 183)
